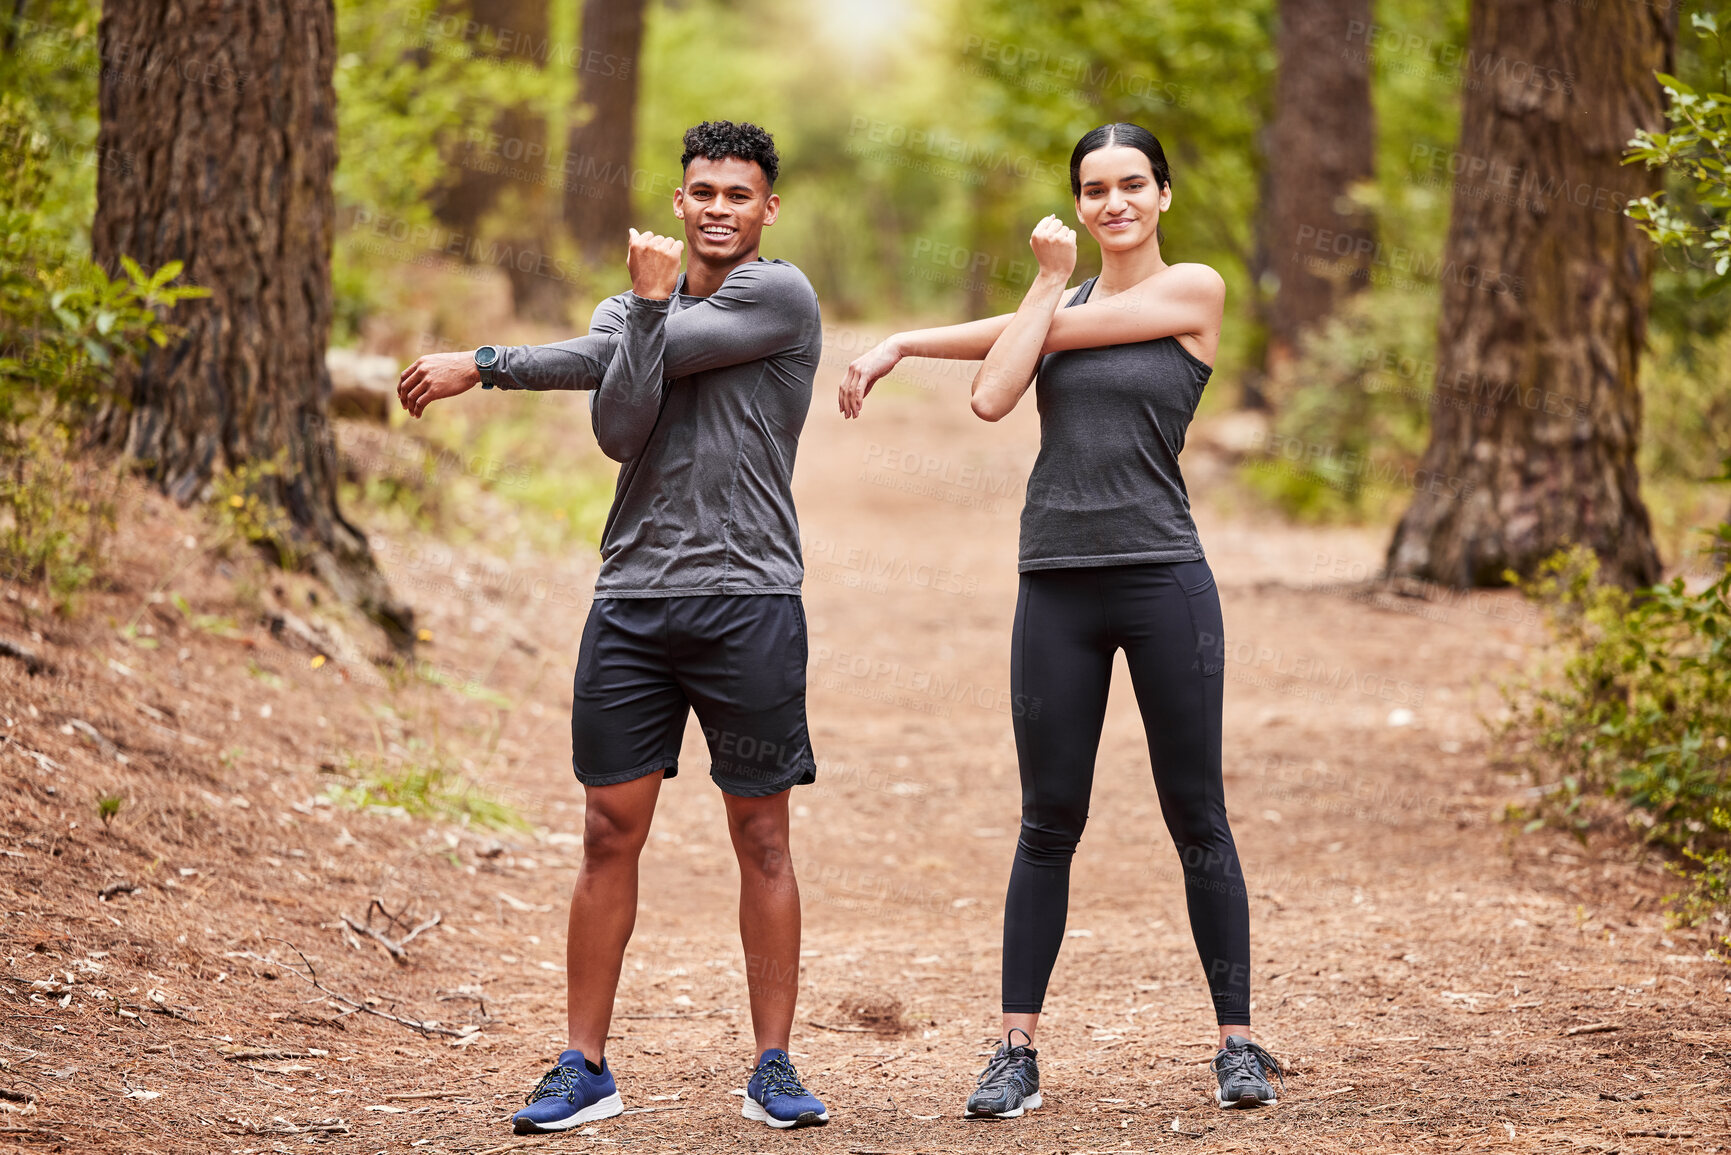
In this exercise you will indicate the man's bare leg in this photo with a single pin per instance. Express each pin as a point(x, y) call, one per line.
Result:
point(768, 914)
point(604, 905)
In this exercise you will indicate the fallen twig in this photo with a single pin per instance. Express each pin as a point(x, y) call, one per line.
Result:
point(394, 949)
point(115, 888)
point(284, 1127)
point(1661, 1134)
point(312, 979)
point(831, 1027)
point(428, 1095)
point(32, 662)
point(1591, 1029)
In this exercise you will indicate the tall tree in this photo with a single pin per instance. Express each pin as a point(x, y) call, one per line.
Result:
point(1536, 413)
point(508, 169)
point(598, 172)
point(1321, 143)
point(228, 113)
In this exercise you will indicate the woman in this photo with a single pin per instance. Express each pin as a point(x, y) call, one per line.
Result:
point(1110, 559)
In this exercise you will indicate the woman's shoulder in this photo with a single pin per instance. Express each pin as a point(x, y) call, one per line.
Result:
point(1190, 277)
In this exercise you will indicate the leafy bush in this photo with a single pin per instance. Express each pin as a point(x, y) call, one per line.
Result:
point(242, 506)
point(1696, 150)
point(1352, 411)
point(1638, 716)
point(64, 326)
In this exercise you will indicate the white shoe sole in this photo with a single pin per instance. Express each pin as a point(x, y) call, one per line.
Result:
point(1246, 1101)
point(600, 1109)
point(753, 1110)
point(1028, 1104)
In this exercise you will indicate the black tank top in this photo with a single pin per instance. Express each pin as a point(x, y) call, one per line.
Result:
point(1106, 489)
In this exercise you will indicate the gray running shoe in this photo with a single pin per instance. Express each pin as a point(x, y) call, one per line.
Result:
point(1009, 1085)
point(1243, 1069)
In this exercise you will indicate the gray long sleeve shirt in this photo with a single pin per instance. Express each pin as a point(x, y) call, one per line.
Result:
point(702, 399)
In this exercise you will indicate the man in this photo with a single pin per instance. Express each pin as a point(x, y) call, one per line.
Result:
point(700, 385)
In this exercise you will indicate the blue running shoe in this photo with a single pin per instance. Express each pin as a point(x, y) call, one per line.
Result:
point(567, 1096)
point(777, 1097)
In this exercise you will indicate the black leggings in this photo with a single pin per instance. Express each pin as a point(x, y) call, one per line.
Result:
point(1069, 622)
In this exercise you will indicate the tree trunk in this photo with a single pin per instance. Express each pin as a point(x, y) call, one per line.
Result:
point(1536, 413)
point(598, 169)
point(229, 111)
point(509, 170)
point(1321, 143)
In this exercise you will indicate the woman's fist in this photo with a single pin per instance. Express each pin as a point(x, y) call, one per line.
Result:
point(1054, 245)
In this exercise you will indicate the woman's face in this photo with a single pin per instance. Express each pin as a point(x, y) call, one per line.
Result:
point(1120, 204)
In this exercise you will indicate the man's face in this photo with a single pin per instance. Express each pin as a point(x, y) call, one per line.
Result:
point(724, 204)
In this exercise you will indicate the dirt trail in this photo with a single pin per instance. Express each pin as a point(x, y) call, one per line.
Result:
point(1418, 966)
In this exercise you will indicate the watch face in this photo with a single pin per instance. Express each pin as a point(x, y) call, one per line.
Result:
point(486, 356)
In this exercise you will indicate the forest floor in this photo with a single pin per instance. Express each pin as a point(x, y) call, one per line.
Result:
point(1432, 978)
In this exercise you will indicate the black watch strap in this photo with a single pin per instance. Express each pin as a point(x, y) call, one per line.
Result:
point(488, 372)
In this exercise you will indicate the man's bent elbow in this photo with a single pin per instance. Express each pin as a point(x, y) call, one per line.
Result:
point(620, 447)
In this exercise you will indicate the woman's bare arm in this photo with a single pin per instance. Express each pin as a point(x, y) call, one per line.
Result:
point(1179, 300)
point(1015, 355)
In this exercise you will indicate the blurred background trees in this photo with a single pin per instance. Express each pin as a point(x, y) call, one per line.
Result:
point(490, 153)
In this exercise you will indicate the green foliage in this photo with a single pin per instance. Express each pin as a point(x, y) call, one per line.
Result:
point(1352, 413)
point(504, 457)
point(424, 784)
point(108, 807)
point(1696, 151)
point(51, 69)
point(1638, 715)
point(411, 89)
point(242, 504)
point(65, 326)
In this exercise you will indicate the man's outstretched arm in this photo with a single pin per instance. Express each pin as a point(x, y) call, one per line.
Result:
point(578, 363)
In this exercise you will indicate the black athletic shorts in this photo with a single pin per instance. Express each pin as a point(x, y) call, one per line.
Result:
point(737, 659)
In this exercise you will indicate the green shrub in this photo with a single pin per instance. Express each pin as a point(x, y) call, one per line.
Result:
point(424, 785)
point(1637, 720)
point(64, 327)
point(1352, 412)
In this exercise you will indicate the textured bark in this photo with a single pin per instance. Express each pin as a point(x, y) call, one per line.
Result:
point(1536, 413)
point(229, 113)
point(598, 180)
point(1321, 143)
point(514, 34)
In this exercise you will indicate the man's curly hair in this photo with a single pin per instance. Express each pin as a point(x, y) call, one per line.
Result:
point(719, 139)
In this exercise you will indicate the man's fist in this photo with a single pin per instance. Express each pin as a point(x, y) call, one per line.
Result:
point(654, 264)
point(434, 376)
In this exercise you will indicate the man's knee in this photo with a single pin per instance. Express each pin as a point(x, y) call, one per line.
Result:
point(760, 838)
point(611, 836)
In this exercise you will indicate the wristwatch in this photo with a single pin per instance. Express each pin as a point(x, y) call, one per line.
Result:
point(486, 360)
